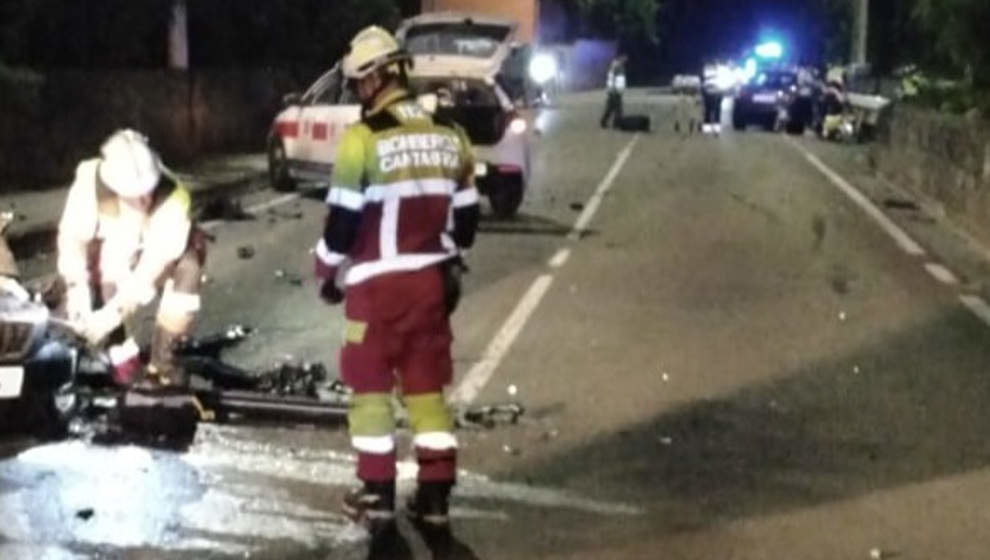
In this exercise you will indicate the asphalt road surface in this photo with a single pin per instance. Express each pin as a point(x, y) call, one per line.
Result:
point(723, 352)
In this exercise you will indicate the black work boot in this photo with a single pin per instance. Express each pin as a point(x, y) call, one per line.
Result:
point(428, 509)
point(387, 542)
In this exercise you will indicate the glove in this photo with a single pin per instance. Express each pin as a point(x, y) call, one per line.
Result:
point(453, 271)
point(330, 293)
point(97, 326)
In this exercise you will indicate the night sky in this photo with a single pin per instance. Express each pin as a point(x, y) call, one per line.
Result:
point(692, 31)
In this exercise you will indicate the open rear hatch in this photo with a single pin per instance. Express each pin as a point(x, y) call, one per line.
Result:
point(462, 45)
point(473, 104)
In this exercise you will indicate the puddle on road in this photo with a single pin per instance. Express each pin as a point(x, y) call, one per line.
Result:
point(228, 494)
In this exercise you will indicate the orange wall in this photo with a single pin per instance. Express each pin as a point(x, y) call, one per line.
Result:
point(524, 12)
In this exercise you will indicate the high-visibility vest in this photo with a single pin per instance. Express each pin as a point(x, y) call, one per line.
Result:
point(401, 191)
point(137, 246)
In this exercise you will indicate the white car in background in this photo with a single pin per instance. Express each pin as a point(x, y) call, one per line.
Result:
point(456, 64)
point(686, 83)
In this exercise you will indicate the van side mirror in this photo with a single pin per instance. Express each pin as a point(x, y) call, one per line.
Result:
point(291, 99)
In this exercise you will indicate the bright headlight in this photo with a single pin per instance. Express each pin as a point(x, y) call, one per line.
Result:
point(518, 125)
point(542, 68)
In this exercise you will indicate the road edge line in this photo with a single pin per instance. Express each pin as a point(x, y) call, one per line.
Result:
point(901, 237)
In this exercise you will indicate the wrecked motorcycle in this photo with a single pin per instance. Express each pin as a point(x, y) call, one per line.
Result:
point(52, 384)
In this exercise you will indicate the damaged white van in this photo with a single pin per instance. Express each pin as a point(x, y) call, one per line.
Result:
point(457, 60)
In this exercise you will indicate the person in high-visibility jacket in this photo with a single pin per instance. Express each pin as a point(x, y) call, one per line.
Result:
point(615, 86)
point(711, 92)
point(125, 237)
point(402, 207)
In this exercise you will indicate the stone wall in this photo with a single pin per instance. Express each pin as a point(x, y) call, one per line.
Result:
point(944, 158)
point(49, 122)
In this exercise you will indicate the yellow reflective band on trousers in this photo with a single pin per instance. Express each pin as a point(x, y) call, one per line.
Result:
point(428, 413)
point(370, 414)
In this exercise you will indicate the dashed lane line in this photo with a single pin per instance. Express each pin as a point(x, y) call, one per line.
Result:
point(482, 371)
point(560, 258)
point(942, 274)
point(977, 306)
point(596, 199)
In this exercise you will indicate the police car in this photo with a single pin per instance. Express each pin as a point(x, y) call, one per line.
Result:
point(457, 60)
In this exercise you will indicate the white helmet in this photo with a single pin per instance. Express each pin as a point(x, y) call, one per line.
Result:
point(130, 167)
point(372, 48)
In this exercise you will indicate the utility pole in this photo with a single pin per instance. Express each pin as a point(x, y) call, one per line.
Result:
point(178, 37)
point(860, 30)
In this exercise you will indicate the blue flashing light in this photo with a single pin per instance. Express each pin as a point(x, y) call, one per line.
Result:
point(771, 49)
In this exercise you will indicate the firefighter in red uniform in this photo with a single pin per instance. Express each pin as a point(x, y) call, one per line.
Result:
point(402, 204)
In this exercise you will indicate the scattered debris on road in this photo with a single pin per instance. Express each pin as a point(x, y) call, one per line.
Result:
point(292, 279)
point(295, 214)
point(297, 379)
point(577, 206)
point(878, 554)
point(224, 209)
point(489, 416)
point(901, 204)
point(245, 252)
point(820, 228)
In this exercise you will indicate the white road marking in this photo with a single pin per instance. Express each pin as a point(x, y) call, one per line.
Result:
point(560, 258)
point(942, 274)
point(479, 374)
point(482, 371)
point(903, 240)
point(977, 306)
point(596, 199)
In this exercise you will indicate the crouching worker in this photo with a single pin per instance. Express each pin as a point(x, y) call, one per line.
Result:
point(402, 203)
point(126, 237)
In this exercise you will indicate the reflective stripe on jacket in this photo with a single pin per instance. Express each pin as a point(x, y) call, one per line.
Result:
point(137, 246)
point(402, 195)
point(616, 80)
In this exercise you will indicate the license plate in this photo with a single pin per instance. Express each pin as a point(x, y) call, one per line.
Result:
point(11, 381)
point(764, 98)
point(480, 169)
